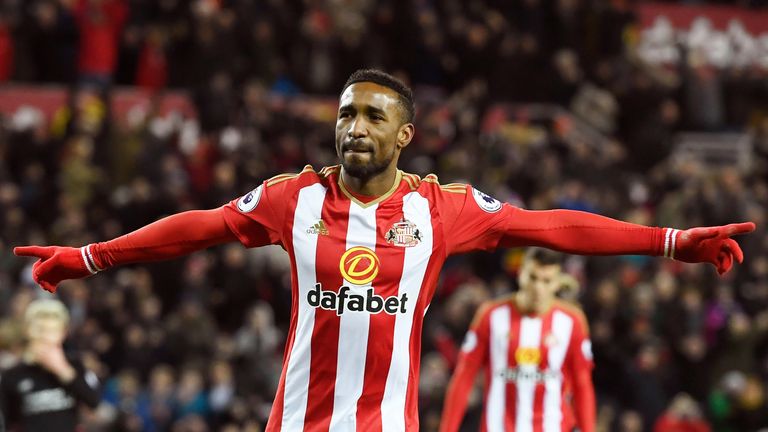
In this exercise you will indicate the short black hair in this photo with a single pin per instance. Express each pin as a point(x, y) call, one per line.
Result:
point(386, 80)
point(545, 256)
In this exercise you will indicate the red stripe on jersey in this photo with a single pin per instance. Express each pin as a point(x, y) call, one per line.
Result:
point(538, 398)
point(488, 373)
point(426, 291)
point(569, 417)
point(429, 286)
point(382, 326)
point(325, 334)
point(514, 342)
point(275, 421)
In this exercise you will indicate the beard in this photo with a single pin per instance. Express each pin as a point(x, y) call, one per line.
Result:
point(367, 170)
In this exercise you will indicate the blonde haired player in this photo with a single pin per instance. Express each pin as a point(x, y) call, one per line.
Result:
point(42, 392)
point(536, 353)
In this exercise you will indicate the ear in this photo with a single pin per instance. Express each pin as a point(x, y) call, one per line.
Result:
point(523, 275)
point(405, 135)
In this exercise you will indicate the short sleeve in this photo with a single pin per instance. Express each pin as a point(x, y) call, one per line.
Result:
point(473, 220)
point(257, 218)
point(473, 356)
point(581, 346)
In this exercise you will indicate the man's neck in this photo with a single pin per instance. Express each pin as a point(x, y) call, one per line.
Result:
point(375, 186)
point(528, 307)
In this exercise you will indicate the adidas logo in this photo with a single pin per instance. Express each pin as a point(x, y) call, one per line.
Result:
point(318, 228)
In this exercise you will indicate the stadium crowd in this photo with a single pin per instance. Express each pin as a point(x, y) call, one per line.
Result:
point(196, 344)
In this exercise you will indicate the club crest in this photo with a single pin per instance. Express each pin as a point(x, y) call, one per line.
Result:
point(550, 340)
point(404, 234)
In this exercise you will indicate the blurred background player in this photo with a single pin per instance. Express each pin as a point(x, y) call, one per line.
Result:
point(536, 353)
point(44, 390)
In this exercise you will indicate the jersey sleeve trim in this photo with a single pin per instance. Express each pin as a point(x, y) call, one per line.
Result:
point(280, 178)
point(431, 178)
point(287, 176)
point(326, 172)
point(413, 180)
point(461, 189)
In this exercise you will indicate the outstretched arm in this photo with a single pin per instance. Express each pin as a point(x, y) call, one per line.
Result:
point(579, 363)
point(457, 396)
point(584, 400)
point(171, 237)
point(590, 234)
point(477, 221)
point(472, 358)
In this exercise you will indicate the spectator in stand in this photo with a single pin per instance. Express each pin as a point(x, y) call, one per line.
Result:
point(6, 50)
point(100, 23)
point(683, 415)
point(152, 68)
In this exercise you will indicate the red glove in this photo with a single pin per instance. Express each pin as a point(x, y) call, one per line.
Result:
point(58, 263)
point(707, 244)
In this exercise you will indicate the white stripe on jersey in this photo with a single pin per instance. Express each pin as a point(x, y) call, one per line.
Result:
point(495, 406)
point(562, 326)
point(530, 337)
point(415, 209)
point(353, 330)
point(308, 211)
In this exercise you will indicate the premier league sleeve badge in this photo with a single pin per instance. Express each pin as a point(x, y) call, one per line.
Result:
point(249, 201)
point(486, 202)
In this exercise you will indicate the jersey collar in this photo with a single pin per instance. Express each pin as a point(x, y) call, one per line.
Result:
point(387, 194)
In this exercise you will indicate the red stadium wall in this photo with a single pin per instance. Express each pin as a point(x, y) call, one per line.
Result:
point(49, 99)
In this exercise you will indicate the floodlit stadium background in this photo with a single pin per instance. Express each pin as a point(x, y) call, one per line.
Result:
point(116, 113)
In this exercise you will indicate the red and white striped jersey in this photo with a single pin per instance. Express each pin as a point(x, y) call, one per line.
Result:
point(537, 370)
point(363, 275)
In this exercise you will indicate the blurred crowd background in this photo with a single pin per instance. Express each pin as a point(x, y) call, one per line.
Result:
point(540, 103)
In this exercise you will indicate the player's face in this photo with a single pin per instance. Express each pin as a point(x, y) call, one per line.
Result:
point(540, 282)
point(369, 129)
point(47, 330)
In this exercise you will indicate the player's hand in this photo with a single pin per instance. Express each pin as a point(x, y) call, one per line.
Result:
point(55, 264)
point(51, 358)
point(713, 245)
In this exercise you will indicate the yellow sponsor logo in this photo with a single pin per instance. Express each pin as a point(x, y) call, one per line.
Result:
point(359, 265)
point(527, 356)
